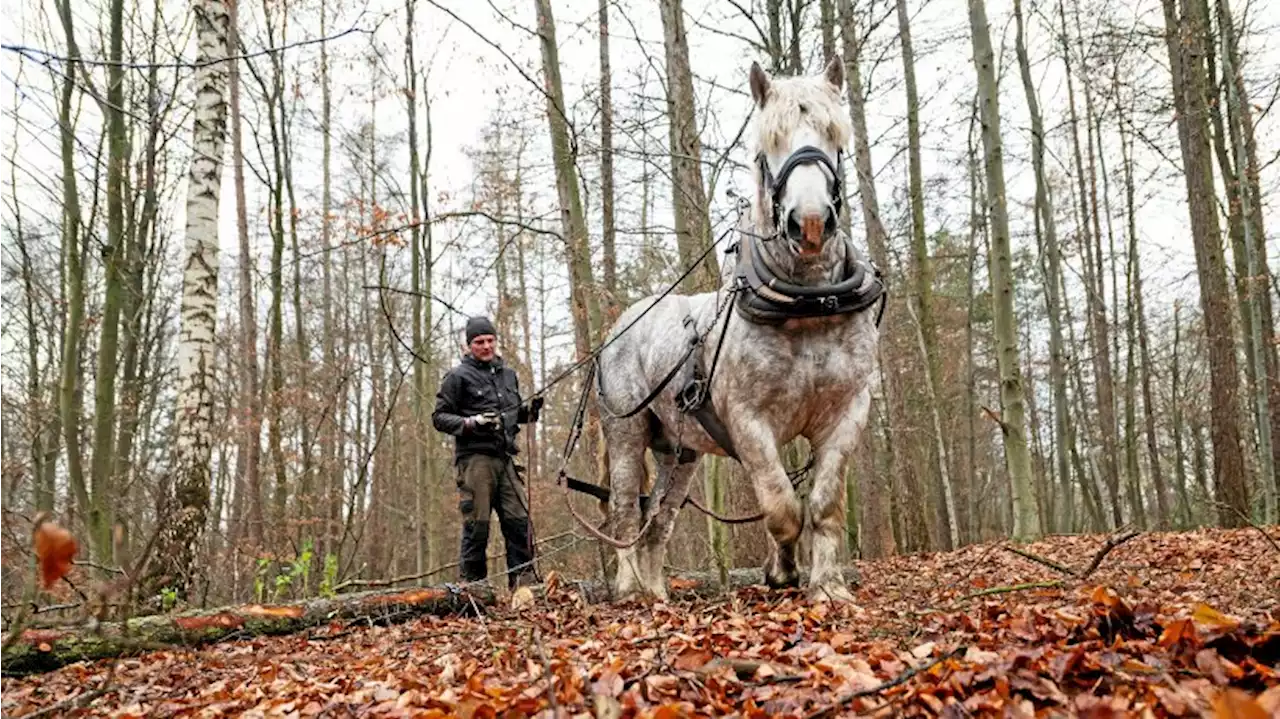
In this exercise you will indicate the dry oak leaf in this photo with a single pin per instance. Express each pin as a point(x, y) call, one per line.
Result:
point(1236, 704)
point(55, 548)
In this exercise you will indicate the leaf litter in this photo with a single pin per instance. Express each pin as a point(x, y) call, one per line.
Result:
point(1170, 624)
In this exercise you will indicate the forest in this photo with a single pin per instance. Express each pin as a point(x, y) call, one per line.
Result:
point(241, 242)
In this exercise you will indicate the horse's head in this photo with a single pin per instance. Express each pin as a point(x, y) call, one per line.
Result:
point(801, 129)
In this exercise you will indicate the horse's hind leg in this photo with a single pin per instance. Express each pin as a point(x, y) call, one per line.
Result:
point(627, 442)
point(826, 501)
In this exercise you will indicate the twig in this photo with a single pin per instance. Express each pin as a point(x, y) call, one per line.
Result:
point(551, 677)
point(1111, 544)
point(1245, 518)
point(99, 567)
point(900, 679)
point(1041, 560)
point(1004, 428)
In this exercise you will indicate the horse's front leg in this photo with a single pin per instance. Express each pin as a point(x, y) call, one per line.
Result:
point(758, 453)
point(827, 500)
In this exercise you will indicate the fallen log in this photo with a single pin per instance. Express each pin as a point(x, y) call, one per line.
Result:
point(43, 649)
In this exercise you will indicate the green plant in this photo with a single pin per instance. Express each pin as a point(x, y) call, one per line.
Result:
point(330, 579)
point(168, 598)
point(260, 578)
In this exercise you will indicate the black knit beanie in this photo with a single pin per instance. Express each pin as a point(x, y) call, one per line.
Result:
point(477, 326)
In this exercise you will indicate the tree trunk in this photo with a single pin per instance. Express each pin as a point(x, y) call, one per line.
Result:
point(877, 529)
point(1263, 281)
point(608, 234)
point(827, 18)
point(773, 12)
point(275, 336)
point(100, 512)
point(302, 390)
point(1184, 42)
point(1051, 263)
point(182, 524)
point(1095, 310)
point(923, 265)
point(1164, 511)
point(1013, 422)
point(421, 399)
point(1179, 451)
point(689, 197)
point(1256, 288)
point(585, 299)
point(328, 429)
point(70, 398)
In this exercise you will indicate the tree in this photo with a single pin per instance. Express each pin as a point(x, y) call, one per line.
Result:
point(923, 267)
point(689, 195)
point(877, 533)
point(248, 458)
point(1051, 260)
point(1184, 41)
point(185, 517)
point(1026, 523)
point(585, 300)
point(608, 234)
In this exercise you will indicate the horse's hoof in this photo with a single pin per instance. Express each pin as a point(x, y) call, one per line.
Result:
point(781, 577)
point(835, 593)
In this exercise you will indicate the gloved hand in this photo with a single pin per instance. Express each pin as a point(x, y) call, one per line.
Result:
point(487, 422)
point(535, 408)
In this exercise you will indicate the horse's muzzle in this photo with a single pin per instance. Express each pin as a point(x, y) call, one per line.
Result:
point(811, 230)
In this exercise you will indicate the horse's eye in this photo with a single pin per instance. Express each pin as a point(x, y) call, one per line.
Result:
point(804, 109)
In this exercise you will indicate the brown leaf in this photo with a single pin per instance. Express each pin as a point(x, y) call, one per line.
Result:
point(54, 547)
point(1178, 631)
point(1236, 704)
point(1214, 619)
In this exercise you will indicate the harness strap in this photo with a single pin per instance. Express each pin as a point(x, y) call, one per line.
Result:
point(695, 396)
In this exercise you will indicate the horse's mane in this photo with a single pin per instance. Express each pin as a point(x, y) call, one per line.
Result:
point(796, 101)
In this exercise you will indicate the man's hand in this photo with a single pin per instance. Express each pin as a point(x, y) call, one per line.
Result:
point(535, 408)
point(487, 422)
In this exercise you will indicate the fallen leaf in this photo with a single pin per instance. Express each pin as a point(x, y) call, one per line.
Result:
point(1210, 617)
point(1235, 704)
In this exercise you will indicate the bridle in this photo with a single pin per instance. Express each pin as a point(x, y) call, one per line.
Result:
point(807, 155)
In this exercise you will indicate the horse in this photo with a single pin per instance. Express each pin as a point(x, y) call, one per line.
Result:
point(785, 348)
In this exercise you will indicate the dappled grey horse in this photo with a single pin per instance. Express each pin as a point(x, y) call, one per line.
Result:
point(784, 348)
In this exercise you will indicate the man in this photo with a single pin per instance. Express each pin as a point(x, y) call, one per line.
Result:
point(479, 404)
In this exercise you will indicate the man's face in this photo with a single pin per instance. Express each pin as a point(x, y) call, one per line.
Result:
point(483, 347)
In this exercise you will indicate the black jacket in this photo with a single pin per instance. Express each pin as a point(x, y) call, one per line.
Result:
point(473, 388)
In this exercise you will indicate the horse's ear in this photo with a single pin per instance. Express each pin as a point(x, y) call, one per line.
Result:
point(835, 72)
point(759, 84)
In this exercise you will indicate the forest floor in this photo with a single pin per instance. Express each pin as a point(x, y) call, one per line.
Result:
point(1169, 624)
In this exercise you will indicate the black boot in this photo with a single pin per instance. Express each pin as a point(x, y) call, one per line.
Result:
point(515, 533)
point(475, 539)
